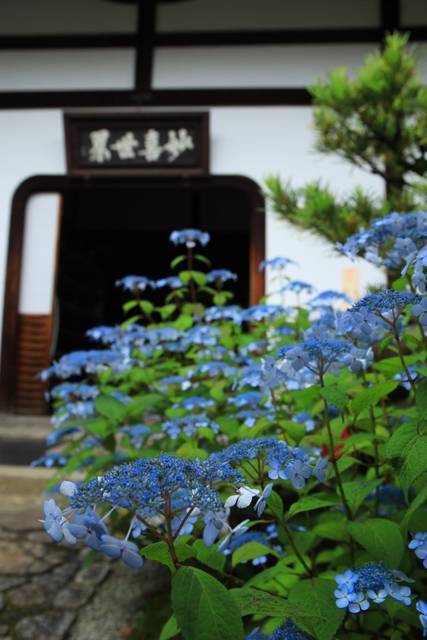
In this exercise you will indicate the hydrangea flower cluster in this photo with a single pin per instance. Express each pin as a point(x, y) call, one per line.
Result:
point(189, 425)
point(287, 631)
point(370, 583)
point(282, 461)
point(277, 264)
point(158, 492)
point(220, 275)
point(189, 237)
point(391, 241)
point(323, 355)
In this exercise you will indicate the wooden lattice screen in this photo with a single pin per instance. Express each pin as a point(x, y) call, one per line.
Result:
point(34, 355)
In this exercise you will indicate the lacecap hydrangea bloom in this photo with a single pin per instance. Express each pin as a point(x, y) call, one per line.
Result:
point(189, 237)
point(282, 461)
point(172, 492)
point(370, 583)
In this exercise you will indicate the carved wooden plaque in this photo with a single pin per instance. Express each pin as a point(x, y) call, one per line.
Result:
point(160, 143)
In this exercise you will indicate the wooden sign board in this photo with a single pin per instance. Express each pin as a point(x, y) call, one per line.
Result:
point(155, 143)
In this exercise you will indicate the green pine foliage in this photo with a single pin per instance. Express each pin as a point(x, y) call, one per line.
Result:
point(376, 121)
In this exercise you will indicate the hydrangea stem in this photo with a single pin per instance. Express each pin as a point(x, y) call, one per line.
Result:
point(332, 456)
point(298, 554)
point(190, 268)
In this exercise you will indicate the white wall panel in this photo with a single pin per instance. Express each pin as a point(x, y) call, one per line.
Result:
point(206, 15)
point(54, 17)
point(39, 254)
point(66, 69)
point(413, 12)
point(252, 66)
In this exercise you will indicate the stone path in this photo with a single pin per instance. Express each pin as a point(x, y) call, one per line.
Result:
point(46, 591)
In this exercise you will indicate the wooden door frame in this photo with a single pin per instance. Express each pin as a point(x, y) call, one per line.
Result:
point(63, 184)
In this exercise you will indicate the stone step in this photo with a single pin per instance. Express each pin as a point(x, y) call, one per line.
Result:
point(22, 438)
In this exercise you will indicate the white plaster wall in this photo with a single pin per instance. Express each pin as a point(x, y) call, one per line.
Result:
point(252, 66)
point(205, 15)
point(413, 12)
point(66, 69)
point(62, 16)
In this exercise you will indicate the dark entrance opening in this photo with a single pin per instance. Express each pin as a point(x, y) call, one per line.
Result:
point(108, 235)
point(115, 226)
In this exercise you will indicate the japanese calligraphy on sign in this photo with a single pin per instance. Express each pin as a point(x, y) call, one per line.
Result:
point(141, 143)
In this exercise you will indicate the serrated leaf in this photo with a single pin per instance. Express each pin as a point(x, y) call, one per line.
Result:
point(316, 597)
point(109, 407)
point(334, 396)
point(400, 440)
point(176, 261)
point(370, 397)
point(255, 601)
point(421, 399)
point(159, 552)
point(357, 490)
point(203, 607)
point(275, 503)
point(170, 630)
point(415, 461)
point(309, 503)
point(416, 503)
point(381, 538)
point(209, 555)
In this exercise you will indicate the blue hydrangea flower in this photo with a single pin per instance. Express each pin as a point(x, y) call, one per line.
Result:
point(188, 425)
point(220, 275)
point(370, 582)
point(104, 334)
point(318, 355)
point(419, 545)
point(137, 433)
point(50, 460)
point(419, 310)
point(232, 534)
point(386, 301)
point(189, 237)
point(74, 391)
point(282, 461)
point(277, 263)
point(297, 287)
point(173, 282)
point(55, 523)
point(212, 369)
point(289, 631)
point(422, 610)
point(246, 399)
point(194, 402)
point(229, 312)
point(391, 241)
point(134, 283)
point(127, 551)
point(57, 436)
point(262, 312)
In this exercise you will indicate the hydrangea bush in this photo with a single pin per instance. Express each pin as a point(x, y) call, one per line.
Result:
point(273, 458)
